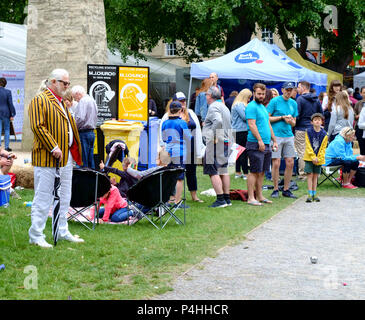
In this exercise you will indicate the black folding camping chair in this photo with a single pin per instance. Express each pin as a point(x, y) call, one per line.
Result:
point(328, 173)
point(87, 187)
point(153, 192)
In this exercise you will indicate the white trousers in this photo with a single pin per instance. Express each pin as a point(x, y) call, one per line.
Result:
point(43, 199)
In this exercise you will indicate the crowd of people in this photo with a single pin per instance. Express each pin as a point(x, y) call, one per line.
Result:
point(278, 129)
point(273, 129)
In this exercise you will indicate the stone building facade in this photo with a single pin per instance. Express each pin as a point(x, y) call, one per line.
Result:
point(61, 34)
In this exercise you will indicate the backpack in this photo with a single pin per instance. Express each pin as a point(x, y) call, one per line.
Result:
point(360, 177)
point(237, 194)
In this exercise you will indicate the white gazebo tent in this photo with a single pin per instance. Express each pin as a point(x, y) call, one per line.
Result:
point(359, 80)
point(256, 61)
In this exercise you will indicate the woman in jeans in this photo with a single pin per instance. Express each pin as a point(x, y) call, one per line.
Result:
point(238, 122)
point(201, 105)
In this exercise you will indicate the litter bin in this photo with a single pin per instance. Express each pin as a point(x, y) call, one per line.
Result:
point(128, 131)
point(149, 143)
point(5, 184)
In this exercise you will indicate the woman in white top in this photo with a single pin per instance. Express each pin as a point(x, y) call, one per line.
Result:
point(329, 101)
point(342, 115)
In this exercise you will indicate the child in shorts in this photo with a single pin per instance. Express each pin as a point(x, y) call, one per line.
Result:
point(177, 138)
point(314, 154)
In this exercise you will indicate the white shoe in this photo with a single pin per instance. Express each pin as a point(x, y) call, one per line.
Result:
point(236, 176)
point(71, 238)
point(41, 243)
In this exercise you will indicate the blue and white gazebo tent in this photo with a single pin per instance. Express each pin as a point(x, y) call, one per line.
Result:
point(253, 62)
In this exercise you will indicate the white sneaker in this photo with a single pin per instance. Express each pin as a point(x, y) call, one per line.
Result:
point(72, 238)
point(236, 176)
point(41, 243)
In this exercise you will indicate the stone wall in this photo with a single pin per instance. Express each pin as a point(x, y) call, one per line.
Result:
point(64, 34)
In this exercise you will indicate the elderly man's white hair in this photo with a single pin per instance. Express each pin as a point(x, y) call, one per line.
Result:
point(78, 89)
point(56, 74)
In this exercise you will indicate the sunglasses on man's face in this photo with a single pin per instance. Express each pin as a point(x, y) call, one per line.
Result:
point(65, 83)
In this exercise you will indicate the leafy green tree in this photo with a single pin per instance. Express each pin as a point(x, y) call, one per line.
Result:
point(202, 26)
point(307, 18)
point(205, 26)
point(13, 11)
point(134, 26)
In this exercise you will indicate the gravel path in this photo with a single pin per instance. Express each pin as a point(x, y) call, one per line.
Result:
point(274, 261)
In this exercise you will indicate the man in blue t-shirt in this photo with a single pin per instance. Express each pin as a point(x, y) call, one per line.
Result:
point(259, 136)
point(283, 112)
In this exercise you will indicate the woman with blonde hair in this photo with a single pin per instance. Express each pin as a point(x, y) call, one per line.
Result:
point(239, 125)
point(342, 115)
point(69, 101)
point(275, 93)
point(201, 104)
point(329, 101)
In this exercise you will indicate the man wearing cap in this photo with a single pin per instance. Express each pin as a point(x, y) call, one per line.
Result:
point(283, 112)
point(179, 96)
point(217, 132)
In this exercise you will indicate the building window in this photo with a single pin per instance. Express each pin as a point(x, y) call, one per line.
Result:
point(267, 36)
point(296, 42)
point(170, 49)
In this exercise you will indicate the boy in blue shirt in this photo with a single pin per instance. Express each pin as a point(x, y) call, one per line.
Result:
point(283, 112)
point(177, 138)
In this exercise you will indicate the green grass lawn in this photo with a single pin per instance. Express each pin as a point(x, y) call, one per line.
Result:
point(126, 262)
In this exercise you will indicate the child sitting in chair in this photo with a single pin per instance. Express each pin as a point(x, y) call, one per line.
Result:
point(162, 160)
point(115, 207)
point(126, 180)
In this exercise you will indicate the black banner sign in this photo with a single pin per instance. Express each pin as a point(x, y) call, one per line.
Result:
point(102, 85)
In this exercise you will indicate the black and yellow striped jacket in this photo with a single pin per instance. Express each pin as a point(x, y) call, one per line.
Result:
point(50, 127)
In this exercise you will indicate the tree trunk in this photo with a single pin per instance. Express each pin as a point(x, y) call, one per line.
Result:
point(240, 34)
point(303, 47)
point(283, 33)
point(339, 64)
point(68, 37)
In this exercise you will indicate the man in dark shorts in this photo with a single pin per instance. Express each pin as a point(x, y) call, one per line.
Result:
point(217, 132)
point(260, 134)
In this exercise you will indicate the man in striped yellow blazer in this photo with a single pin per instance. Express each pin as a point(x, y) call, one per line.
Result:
point(55, 138)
